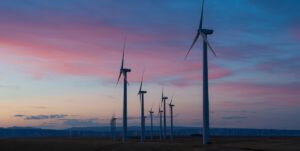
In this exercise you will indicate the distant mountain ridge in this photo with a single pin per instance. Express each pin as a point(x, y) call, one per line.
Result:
point(134, 131)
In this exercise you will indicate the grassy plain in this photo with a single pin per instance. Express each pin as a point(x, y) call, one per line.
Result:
point(180, 144)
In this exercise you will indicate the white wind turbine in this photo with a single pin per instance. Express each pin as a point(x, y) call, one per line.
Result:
point(113, 127)
point(172, 124)
point(141, 93)
point(203, 33)
point(151, 122)
point(160, 122)
point(123, 71)
point(164, 99)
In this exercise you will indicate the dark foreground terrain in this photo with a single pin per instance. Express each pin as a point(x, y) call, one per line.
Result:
point(181, 144)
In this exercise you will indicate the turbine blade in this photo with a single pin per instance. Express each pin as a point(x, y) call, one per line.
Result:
point(171, 100)
point(194, 42)
point(212, 50)
point(122, 62)
point(201, 19)
point(207, 42)
point(119, 78)
point(141, 85)
point(151, 108)
point(162, 96)
point(159, 109)
point(124, 46)
point(143, 77)
point(140, 88)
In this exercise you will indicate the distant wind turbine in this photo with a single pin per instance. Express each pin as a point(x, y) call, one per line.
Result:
point(164, 99)
point(141, 93)
point(151, 121)
point(113, 127)
point(171, 112)
point(204, 33)
point(160, 122)
point(70, 132)
point(123, 71)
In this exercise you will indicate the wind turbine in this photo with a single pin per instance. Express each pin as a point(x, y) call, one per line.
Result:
point(163, 99)
point(141, 93)
point(204, 32)
point(160, 122)
point(113, 127)
point(151, 121)
point(123, 71)
point(171, 112)
point(70, 132)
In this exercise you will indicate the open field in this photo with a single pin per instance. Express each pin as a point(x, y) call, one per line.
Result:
point(181, 144)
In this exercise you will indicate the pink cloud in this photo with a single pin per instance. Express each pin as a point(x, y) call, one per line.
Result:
point(215, 72)
point(258, 94)
point(84, 49)
point(194, 75)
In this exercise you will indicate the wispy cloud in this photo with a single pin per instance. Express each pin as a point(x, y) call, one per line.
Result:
point(234, 117)
point(42, 117)
point(40, 107)
point(81, 122)
point(20, 115)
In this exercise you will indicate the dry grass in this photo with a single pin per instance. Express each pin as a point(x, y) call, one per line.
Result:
point(181, 144)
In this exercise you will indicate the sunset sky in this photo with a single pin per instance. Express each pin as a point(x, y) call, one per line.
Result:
point(59, 61)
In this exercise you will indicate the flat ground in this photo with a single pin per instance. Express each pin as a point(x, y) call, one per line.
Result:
point(180, 144)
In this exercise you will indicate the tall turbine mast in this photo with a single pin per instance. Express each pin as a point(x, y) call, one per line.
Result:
point(204, 33)
point(164, 99)
point(124, 71)
point(141, 94)
point(113, 127)
point(160, 122)
point(172, 124)
point(151, 122)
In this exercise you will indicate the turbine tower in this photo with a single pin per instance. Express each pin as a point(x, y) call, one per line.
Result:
point(141, 93)
point(160, 122)
point(163, 99)
point(171, 112)
point(151, 122)
point(113, 127)
point(203, 33)
point(123, 71)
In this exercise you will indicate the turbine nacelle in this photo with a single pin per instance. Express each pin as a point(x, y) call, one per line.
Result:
point(160, 110)
point(165, 98)
point(206, 31)
point(142, 92)
point(171, 105)
point(113, 120)
point(125, 70)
